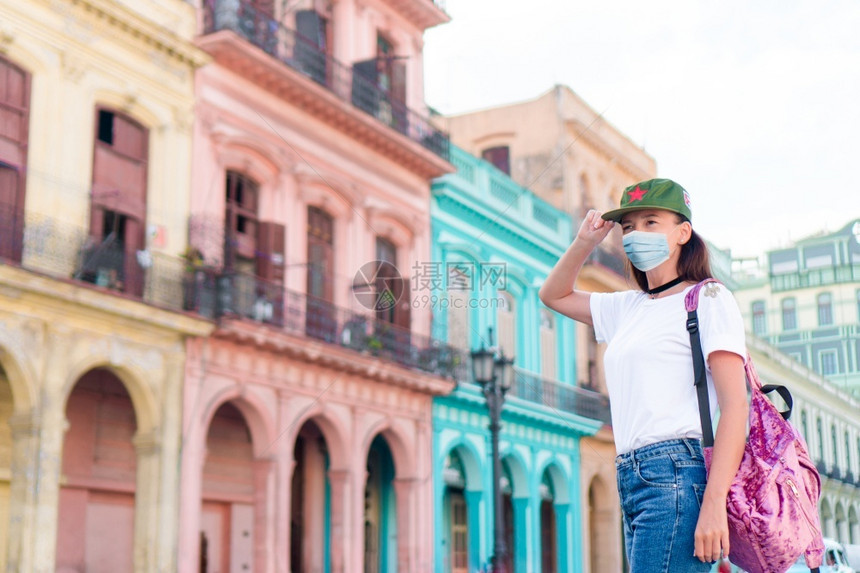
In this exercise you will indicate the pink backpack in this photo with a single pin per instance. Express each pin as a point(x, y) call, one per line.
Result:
point(772, 502)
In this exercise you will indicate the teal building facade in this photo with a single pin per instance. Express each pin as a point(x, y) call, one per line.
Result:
point(493, 243)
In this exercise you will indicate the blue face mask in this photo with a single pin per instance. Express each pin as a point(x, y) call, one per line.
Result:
point(646, 250)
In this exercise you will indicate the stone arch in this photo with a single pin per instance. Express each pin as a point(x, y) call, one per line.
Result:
point(250, 157)
point(517, 469)
point(471, 463)
point(398, 443)
point(841, 521)
point(19, 374)
point(828, 525)
point(332, 193)
point(558, 479)
point(253, 409)
point(392, 225)
point(144, 400)
point(600, 524)
point(25, 56)
point(333, 430)
point(129, 105)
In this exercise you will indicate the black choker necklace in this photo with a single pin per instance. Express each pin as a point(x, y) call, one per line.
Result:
point(657, 290)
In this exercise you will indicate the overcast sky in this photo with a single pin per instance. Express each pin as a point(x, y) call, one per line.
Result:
point(754, 107)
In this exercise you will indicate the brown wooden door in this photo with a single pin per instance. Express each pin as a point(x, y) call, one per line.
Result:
point(459, 532)
point(549, 551)
point(321, 321)
point(271, 239)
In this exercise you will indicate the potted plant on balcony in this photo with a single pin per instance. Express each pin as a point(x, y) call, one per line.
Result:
point(197, 288)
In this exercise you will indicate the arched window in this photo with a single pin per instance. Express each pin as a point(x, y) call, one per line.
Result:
point(499, 156)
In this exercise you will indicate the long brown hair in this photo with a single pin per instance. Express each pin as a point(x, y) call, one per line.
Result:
point(694, 265)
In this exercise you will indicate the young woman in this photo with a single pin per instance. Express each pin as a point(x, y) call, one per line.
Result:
point(674, 515)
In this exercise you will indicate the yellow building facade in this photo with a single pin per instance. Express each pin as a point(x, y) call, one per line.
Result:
point(96, 111)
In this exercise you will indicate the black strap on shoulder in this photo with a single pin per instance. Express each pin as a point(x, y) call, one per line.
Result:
point(701, 379)
point(784, 394)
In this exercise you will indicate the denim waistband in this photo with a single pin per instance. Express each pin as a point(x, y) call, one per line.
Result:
point(690, 446)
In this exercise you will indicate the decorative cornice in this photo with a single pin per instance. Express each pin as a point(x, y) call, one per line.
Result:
point(133, 25)
point(332, 356)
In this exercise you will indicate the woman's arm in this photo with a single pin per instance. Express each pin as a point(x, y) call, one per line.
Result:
point(557, 291)
point(712, 529)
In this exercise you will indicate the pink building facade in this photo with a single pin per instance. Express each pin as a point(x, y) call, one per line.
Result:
point(307, 414)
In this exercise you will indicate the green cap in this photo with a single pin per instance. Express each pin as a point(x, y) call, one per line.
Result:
point(652, 194)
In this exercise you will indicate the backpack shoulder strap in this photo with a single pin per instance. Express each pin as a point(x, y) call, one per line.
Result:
point(691, 303)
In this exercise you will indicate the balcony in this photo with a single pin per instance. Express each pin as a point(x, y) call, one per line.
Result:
point(563, 397)
point(221, 294)
point(68, 252)
point(809, 278)
point(255, 46)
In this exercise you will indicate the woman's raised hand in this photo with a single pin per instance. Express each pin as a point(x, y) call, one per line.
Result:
point(594, 229)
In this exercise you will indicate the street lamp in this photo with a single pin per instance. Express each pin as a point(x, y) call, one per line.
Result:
point(495, 375)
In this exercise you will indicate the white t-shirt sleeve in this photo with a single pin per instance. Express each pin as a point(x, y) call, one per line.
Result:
point(607, 309)
point(720, 322)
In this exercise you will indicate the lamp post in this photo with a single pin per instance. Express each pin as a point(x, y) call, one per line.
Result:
point(495, 376)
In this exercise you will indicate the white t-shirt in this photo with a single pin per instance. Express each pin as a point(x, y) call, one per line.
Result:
point(649, 365)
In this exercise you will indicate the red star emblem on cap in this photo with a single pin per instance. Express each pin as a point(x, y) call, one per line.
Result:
point(636, 194)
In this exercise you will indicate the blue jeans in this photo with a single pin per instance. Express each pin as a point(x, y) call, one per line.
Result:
point(661, 487)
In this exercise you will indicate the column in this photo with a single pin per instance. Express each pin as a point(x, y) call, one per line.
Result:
point(22, 494)
point(340, 481)
point(520, 548)
point(285, 465)
point(42, 546)
point(193, 457)
point(407, 516)
point(473, 518)
point(170, 447)
point(563, 540)
point(263, 533)
point(146, 496)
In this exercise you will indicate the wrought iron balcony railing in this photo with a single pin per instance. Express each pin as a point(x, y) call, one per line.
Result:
point(68, 252)
point(216, 293)
point(587, 403)
point(62, 250)
point(346, 82)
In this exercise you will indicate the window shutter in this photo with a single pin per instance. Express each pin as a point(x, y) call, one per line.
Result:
point(365, 93)
point(308, 26)
point(270, 243)
point(11, 215)
point(14, 123)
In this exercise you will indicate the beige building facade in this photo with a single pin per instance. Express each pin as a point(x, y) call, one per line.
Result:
point(96, 109)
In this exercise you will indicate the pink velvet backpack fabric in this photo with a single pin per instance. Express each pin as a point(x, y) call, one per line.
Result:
point(772, 501)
